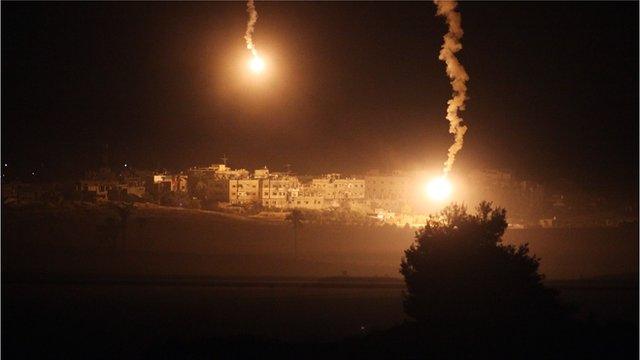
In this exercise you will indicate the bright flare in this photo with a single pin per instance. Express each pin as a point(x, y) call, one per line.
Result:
point(256, 65)
point(439, 189)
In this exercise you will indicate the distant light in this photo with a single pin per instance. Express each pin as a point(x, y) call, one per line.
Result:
point(256, 64)
point(5, 164)
point(33, 173)
point(125, 165)
point(439, 189)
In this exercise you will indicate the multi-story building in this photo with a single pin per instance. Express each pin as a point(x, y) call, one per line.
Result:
point(332, 187)
point(314, 202)
point(218, 171)
point(278, 191)
point(387, 187)
point(275, 190)
point(212, 183)
point(244, 191)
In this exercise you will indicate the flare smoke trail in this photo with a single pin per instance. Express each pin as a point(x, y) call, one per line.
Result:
point(457, 74)
point(248, 35)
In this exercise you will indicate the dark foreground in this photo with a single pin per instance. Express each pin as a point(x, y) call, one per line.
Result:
point(98, 299)
point(339, 317)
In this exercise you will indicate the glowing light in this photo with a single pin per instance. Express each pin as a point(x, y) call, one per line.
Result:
point(256, 64)
point(439, 189)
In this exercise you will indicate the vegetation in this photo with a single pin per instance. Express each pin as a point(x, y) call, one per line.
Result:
point(113, 229)
point(471, 294)
point(296, 218)
point(458, 270)
point(339, 215)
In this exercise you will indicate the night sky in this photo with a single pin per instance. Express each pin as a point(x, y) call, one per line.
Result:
point(351, 86)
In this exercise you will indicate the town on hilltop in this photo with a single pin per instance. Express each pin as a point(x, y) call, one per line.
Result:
point(394, 198)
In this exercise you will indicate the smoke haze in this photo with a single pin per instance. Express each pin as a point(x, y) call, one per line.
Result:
point(253, 18)
point(457, 74)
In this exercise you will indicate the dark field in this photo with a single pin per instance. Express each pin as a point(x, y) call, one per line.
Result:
point(181, 276)
point(134, 318)
point(164, 242)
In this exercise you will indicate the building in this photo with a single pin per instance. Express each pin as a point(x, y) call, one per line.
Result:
point(96, 189)
point(218, 171)
point(271, 190)
point(243, 191)
point(18, 192)
point(111, 190)
point(170, 183)
point(209, 184)
point(130, 188)
point(278, 191)
point(332, 187)
point(261, 173)
point(312, 202)
point(390, 187)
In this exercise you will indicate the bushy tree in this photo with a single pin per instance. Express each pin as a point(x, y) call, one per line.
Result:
point(458, 271)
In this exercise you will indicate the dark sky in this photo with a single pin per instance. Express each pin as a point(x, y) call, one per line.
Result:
point(351, 86)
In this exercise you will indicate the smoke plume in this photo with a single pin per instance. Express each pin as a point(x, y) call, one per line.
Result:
point(456, 73)
point(248, 35)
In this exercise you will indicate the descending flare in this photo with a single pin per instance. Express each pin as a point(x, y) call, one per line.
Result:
point(439, 189)
point(458, 77)
point(256, 64)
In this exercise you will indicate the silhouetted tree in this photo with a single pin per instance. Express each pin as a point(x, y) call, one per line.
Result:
point(113, 229)
point(109, 230)
point(458, 272)
point(295, 217)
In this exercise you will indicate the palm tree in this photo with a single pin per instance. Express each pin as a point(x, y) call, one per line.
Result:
point(124, 211)
point(296, 218)
point(109, 231)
